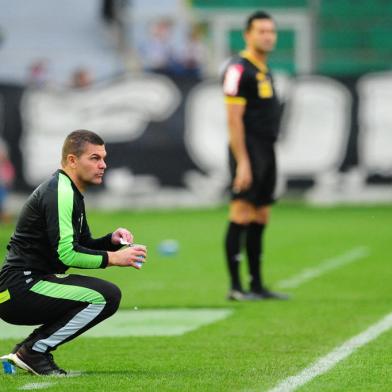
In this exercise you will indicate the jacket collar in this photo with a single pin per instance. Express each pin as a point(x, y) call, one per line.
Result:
point(75, 188)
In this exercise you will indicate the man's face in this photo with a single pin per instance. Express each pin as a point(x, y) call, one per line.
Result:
point(261, 36)
point(90, 166)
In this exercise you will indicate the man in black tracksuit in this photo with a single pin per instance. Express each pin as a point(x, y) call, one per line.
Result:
point(52, 235)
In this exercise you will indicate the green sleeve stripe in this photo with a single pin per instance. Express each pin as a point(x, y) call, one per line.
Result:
point(64, 291)
point(4, 296)
point(65, 249)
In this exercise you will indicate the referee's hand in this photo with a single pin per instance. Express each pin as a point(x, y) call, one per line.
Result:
point(243, 177)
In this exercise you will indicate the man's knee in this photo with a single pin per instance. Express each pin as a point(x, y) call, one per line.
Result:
point(112, 295)
point(262, 215)
point(241, 212)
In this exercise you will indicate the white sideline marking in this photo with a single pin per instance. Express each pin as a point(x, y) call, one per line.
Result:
point(338, 354)
point(325, 266)
point(36, 385)
point(153, 322)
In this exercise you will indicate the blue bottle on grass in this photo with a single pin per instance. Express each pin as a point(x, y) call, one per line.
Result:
point(8, 367)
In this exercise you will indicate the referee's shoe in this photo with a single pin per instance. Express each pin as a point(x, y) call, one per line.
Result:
point(265, 294)
point(238, 295)
point(41, 364)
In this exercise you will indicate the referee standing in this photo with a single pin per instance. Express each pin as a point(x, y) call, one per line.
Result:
point(52, 235)
point(253, 113)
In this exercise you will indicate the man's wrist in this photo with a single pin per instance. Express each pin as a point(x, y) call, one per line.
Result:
point(105, 260)
point(112, 244)
point(111, 259)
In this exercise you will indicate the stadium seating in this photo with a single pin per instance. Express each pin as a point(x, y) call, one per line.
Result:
point(352, 36)
point(246, 3)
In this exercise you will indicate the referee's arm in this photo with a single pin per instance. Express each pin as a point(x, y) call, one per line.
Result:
point(235, 110)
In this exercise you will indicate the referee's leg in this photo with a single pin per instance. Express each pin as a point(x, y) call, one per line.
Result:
point(65, 306)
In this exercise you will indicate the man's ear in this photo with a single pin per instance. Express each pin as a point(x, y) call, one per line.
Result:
point(245, 36)
point(72, 160)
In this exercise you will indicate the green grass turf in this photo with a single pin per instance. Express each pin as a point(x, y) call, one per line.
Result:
point(261, 343)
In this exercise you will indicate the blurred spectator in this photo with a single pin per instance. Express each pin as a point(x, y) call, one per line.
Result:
point(193, 54)
point(109, 11)
point(7, 174)
point(81, 78)
point(38, 73)
point(156, 52)
point(169, 50)
point(113, 14)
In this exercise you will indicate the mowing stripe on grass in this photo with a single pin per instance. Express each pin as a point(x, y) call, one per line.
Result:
point(151, 322)
point(36, 385)
point(157, 322)
point(324, 267)
point(335, 356)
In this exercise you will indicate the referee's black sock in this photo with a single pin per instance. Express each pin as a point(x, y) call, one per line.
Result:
point(233, 248)
point(254, 249)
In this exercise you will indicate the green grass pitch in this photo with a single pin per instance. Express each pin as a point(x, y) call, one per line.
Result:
point(260, 343)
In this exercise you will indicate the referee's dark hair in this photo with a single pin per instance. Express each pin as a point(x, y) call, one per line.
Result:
point(256, 15)
point(76, 141)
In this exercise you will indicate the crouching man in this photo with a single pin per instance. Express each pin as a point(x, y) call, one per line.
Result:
point(52, 235)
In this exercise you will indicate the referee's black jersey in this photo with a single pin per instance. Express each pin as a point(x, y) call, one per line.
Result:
point(52, 233)
point(249, 82)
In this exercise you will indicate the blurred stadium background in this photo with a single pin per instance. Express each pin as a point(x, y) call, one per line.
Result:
point(145, 75)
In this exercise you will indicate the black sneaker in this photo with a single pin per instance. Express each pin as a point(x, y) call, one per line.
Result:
point(237, 295)
point(16, 348)
point(20, 344)
point(268, 294)
point(37, 363)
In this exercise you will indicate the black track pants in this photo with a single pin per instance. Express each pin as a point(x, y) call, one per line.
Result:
point(64, 306)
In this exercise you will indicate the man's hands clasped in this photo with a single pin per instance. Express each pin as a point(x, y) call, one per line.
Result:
point(130, 256)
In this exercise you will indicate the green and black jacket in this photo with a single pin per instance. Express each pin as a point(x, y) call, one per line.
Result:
point(52, 233)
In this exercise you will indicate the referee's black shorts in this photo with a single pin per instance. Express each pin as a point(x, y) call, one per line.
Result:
point(63, 305)
point(263, 164)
